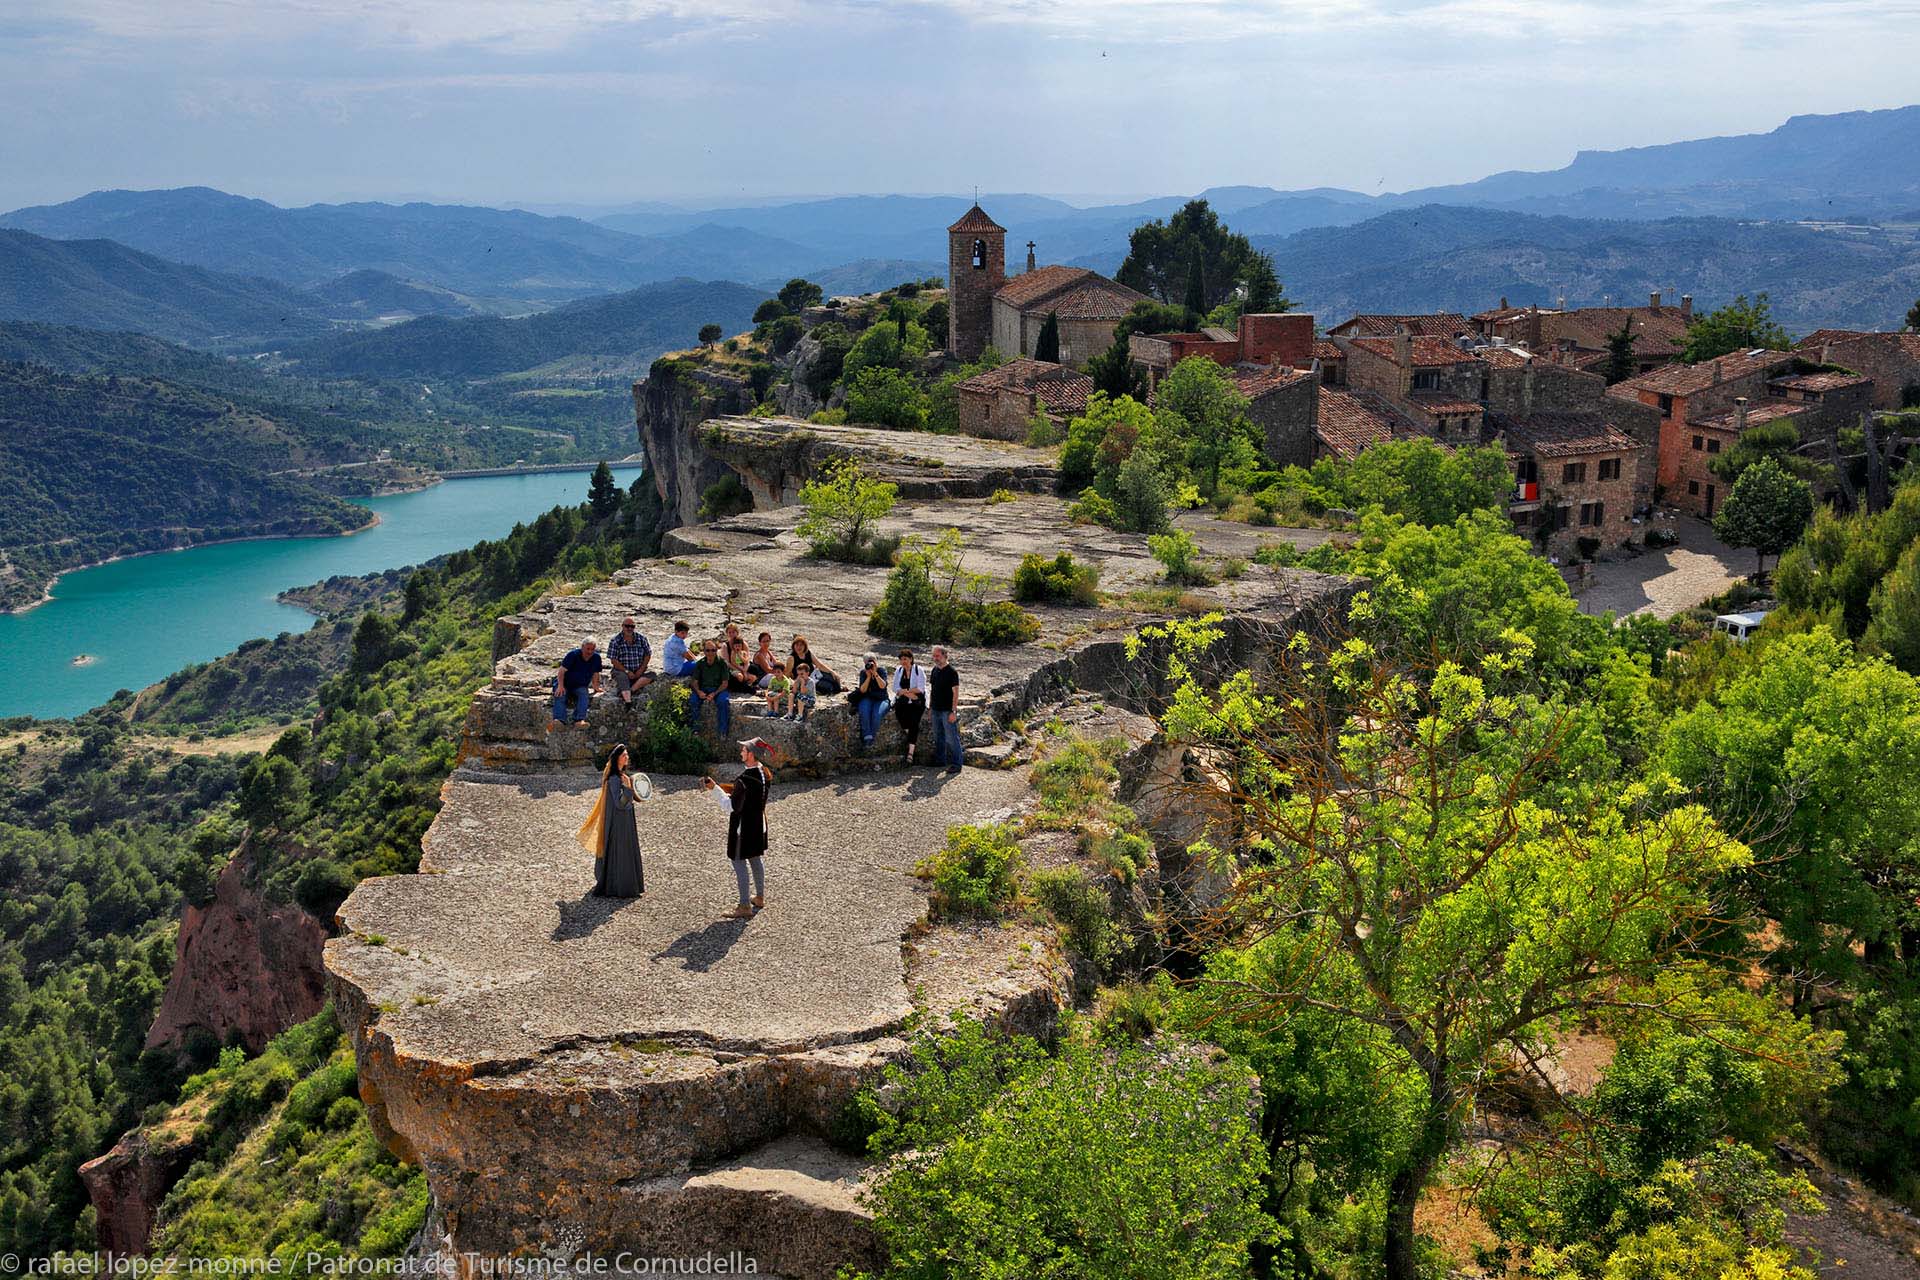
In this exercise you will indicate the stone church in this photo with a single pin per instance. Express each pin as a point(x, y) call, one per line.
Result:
point(985, 308)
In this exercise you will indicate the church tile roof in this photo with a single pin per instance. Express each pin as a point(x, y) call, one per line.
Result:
point(975, 219)
point(1072, 293)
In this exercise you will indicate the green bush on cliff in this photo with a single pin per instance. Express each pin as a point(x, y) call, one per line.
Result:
point(977, 873)
point(1101, 1161)
point(843, 506)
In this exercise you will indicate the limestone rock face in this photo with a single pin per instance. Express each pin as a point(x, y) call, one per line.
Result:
point(668, 407)
point(243, 967)
point(127, 1184)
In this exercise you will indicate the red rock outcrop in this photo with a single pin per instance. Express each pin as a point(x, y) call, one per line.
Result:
point(245, 967)
point(127, 1184)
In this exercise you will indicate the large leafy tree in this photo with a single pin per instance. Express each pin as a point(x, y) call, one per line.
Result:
point(1767, 510)
point(1445, 869)
point(1198, 407)
point(797, 294)
point(1741, 325)
point(1164, 257)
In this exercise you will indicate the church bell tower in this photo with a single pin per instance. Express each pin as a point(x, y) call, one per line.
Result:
point(976, 268)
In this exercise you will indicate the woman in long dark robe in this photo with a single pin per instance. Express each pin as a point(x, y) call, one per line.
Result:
point(618, 872)
point(747, 824)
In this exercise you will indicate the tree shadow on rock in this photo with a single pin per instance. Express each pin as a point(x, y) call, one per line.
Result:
point(701, 949)
point(581, 917)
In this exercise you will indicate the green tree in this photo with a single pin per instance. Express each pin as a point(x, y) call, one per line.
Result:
point(1103, 1161)
point(842, 506)
point(771, 309)
point(1113, 370)
point(1162, 258)
point(797, 294)
point(887, 398)
point(1767, 510)
point(710, 334)
point(1913, 317)
point(274, 796)
point(784, 334)
point(1198, 405)
point(1777, 439)
point(1047, 345)
point(1415, 861)
point(1087, 435)
point(1739, 326)
point(1621, 361)
point(603, 493)
point(1894, 608)
point(882, 345)
point(1196, 296)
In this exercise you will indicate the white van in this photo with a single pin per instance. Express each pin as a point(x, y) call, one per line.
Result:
point(1740, 625)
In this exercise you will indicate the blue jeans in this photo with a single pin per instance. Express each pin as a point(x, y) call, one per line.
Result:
point(580, 699)
point(722, 710)
point(946, 741)
point(871, 711)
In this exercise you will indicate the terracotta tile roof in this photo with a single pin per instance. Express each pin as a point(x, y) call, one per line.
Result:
point(1562, 435)
point(976, 219)
point(1441, 402)
point(1069, 292)
point(1656, 332)
point(1685, 379)
point(1427, 352)
point(1757, 414)
point(1350, 421)
point(1438, 324)
point(1324, 351)
point(1056, 386)
point(1254, 382)
point(1907, 343)
point(1820, 381)
point(1504, 357)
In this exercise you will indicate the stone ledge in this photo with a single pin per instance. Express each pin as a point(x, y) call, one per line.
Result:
point(774, 457)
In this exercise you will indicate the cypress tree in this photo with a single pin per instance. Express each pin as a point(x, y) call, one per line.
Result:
point(603, 495)
point(1197, 287)
point(1047, 345)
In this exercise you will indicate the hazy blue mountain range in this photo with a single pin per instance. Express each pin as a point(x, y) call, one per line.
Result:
point(103, 285)
point(634, 327)
point(1453, 259)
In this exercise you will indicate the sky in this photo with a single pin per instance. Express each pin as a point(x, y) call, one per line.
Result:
point(613, 102)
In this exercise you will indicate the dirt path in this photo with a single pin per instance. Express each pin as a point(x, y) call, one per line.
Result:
point(1670, 581)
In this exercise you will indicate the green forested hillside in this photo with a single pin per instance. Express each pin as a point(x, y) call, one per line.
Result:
point(102, 839)
point(97, 467)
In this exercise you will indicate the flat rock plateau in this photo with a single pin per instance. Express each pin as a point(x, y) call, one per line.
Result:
point(588, 1076)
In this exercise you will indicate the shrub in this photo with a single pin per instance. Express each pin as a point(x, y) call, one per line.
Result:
point(1277, 555)
point(911, 608)
point(760, 378)
point(1079, 907)
point(710, 334)
point(887, 398)
point(976, 873)
point(1001, 497)
point(725, 497)
point(768, 311)
point(1092, 508)
point(665, 743)
point(1657, 538)
point(1042, 433)
point(784, 334)
point(842, 507)
point(994, 625)
point(1141, 494)
point(323, 885)
point(1061, 579)
point(1124, 853)
point(1180, 555)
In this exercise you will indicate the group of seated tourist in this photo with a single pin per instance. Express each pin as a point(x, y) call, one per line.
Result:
point(791, 684)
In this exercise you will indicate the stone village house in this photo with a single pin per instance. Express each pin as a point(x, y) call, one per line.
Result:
point(985, 308)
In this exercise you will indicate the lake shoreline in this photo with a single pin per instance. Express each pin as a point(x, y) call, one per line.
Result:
point(46, 595)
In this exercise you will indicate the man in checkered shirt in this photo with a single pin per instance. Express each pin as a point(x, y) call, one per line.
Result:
point(629, 653)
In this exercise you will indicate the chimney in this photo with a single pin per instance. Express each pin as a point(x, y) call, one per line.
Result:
point(1029, 255)
point(1826, 353)
point(1739, 414)
point(1403, 347)
point(1686, 307)
point(1653, 299)
point(1533, 327)
point(1716, 373)
point(1503, 302)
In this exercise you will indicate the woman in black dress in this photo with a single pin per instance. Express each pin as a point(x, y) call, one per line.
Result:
point(746, 802)
point(617, 873)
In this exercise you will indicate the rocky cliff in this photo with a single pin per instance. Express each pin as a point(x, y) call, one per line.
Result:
point(578, 1074)
point(127, 1184)
point(669, 405)
point(244, 968)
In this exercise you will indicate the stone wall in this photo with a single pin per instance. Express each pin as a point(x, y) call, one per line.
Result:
point(1286, 415)
point(1892, 360)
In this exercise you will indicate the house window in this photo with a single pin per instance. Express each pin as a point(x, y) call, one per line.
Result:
point(1693, 488)
point(979, 255)
point(1562, 517)
point(1426, 380)
point(1609, 468)
point(1697, 440)
point(1592, 513)
point(1713, 446)
point(1573, 473)
point(1526, 470)
point(1666, 406)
